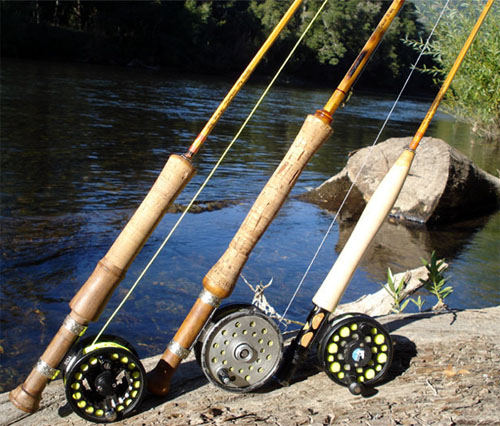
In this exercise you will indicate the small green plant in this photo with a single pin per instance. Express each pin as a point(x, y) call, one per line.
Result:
point(396, 291)
point(435, 282)
point(419, 302)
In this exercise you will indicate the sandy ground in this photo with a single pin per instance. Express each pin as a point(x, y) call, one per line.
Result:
point(445, 372)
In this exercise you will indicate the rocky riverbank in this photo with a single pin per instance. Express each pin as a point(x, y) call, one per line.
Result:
point(446, 371)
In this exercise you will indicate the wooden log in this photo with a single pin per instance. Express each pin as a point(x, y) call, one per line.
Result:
point(381, 303)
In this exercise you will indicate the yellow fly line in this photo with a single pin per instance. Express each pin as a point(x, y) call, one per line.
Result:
point(212, 172)
point(202, 136)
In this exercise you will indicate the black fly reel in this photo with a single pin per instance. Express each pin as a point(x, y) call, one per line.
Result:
point(355, 351)
point(240, 349)
point(104, 382)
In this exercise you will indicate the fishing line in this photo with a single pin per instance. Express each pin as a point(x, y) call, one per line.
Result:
point(413, 67)
point(212, 172)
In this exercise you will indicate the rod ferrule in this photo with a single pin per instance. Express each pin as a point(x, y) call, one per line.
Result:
point(74, 326)
point(178, 350)
point(210, 299)
point(46, 370)
point(324, 116)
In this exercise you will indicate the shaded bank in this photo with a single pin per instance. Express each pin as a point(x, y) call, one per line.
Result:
point(209, 37)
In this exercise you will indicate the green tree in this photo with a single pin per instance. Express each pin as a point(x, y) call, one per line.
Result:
point(344, 28)
point(474, 95)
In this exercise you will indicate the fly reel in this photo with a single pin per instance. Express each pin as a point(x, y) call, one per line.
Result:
point(355, 351)
point(240, 349)
point(104, 381)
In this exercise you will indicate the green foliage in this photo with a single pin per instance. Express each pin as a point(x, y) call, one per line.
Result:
point(344, 27)
point(474, 95)
point(419, 302)
point(396, 292)
point(435, 282)
point(208, 36)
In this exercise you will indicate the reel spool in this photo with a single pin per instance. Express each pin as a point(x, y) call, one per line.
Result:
point(240, 349)
point(104, 382)
point(355, 351)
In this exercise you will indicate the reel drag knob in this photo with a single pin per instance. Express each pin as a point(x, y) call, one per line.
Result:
point(355, 351)
point(240, 349)
point(105, 381)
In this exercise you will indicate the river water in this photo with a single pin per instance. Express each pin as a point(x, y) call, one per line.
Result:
point(81, 145)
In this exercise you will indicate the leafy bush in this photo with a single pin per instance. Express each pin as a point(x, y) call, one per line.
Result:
point(474, 95)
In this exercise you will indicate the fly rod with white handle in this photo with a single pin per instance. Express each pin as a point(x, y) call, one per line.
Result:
point(328, 296)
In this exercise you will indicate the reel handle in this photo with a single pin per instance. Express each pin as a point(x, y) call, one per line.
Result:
point(92, 297)
point(355, 387)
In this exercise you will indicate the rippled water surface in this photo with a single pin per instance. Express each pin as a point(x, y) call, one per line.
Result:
point(81, 146)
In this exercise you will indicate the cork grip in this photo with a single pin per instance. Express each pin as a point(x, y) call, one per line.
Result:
point(90, 300)
point(92, 297)
point(221, 279)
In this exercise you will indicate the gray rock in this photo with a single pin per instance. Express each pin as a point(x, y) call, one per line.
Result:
point(443, 184)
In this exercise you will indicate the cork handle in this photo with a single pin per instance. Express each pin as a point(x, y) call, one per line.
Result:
point(220, 280)
point(92, 297)
point(331, 291)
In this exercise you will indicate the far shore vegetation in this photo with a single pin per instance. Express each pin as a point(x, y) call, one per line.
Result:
point(220, 37)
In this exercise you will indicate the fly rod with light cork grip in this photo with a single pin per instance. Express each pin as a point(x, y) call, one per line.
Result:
point(354, 349)
point(89, 302)
point(244, 340)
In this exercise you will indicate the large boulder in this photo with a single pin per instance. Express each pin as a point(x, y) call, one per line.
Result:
point(443, 184)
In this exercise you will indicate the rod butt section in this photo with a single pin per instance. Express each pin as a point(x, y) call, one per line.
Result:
point(24, 400)
point(160, 377)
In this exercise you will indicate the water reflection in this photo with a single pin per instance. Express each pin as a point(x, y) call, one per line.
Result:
point(81, 145)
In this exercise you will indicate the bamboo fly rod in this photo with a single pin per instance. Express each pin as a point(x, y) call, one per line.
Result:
point(221, 279)
point(329, 294)
point(89, 302)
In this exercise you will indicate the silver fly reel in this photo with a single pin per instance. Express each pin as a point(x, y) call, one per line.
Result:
point(240, 349)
